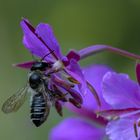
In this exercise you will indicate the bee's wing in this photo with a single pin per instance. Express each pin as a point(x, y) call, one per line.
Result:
point(13, 103)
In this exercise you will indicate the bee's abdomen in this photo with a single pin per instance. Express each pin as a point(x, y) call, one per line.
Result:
point(38, 109)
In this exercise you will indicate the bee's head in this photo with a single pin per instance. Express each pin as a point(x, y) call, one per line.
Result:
point(42, 66)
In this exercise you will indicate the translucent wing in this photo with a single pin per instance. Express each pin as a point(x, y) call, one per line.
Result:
point(13, 103)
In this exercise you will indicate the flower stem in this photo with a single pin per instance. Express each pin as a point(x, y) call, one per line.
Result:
point(100, 48)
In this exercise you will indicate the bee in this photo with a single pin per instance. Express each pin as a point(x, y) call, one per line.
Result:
point(41, 97)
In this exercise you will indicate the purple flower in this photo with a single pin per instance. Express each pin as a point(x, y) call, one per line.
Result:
point(123, 94)
point(86, 125)
point(65, 77)
point(64, 73)
point(77, 129)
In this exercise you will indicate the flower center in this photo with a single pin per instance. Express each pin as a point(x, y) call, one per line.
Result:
point(58, 65)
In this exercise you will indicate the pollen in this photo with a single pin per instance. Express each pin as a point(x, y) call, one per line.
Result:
point(58, 65)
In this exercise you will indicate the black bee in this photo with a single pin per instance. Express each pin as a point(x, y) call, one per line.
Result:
point(41, 97)
point(40, 100)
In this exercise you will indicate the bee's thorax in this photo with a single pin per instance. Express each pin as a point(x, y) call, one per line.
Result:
point(35, 79)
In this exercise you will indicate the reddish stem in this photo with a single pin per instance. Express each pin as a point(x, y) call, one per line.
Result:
point(100, 48)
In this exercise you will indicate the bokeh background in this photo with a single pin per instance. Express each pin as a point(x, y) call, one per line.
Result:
point(77, 24)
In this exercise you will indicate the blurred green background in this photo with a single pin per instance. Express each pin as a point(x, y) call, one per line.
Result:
point(77, 24)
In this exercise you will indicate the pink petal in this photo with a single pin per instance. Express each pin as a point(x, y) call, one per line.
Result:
point(45, 32)
point(31, 41)
point(121, 92)
point(122, 129)
point(89, 114)
point(24, 65)
point(73, 55)
point(94, 75)
point(76, 129)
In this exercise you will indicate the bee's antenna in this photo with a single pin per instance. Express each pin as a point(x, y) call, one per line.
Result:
point(46, 55)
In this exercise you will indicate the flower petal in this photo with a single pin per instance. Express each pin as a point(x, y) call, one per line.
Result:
point(90, 114)
point(94, 75)
point(73, 55)
point(75, 72)
point(122, 129)
point(138, 72)
point(31, 41)
point(24, 65)
point(45, 32)
point(121, 92)
point(76, 129)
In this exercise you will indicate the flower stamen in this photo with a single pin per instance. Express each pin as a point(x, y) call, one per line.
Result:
point(71, 79)
point(135, 129)
point(91, 88)
point(74, 102)
point(58, 107)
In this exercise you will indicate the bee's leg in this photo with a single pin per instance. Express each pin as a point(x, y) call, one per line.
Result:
point(58, 108)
